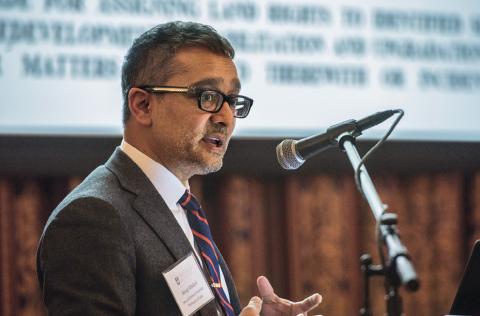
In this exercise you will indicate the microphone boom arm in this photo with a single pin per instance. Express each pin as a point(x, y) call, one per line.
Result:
point(328, 140)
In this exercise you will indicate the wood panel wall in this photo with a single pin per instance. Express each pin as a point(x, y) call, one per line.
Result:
point(305, 233)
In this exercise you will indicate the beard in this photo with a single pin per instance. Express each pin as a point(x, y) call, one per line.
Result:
point(194, 157)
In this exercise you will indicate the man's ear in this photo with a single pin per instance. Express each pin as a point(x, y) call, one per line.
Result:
point(139, 105)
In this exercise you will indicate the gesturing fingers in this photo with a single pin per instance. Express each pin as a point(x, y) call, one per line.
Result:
point(275, 305)
point(309, 303)
point(253, 308)
point(255, 303)
point(265, 288)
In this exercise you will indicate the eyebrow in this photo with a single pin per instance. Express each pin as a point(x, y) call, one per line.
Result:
point(215, 82)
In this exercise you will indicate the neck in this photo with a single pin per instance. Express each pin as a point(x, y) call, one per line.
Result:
point(182, 173)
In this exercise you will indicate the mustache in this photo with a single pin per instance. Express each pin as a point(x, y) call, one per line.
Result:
point(215, 128)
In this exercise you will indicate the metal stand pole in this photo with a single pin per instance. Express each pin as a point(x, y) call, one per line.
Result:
point(396, 268)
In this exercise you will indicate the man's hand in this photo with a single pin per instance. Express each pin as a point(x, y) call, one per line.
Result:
point(276, 306)
point(253, 308)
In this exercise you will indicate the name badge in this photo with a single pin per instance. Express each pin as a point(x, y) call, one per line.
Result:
point(188, 285)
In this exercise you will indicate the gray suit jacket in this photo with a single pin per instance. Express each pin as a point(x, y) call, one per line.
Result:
point(104, 248)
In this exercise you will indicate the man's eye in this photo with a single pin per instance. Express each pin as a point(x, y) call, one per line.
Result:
point(209, 96)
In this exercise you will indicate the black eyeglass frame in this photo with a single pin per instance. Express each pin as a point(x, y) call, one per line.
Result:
point(197, 92)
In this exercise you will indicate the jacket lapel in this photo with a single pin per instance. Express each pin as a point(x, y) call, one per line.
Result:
point(149, 204)
point(151, 207)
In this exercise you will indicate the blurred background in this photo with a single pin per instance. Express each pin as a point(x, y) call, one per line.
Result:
point(307, 65)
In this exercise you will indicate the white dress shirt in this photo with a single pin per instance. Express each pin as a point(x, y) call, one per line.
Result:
point(171, 190)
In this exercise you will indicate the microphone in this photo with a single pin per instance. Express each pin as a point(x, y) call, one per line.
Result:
point(291, 154)
point(372, 120)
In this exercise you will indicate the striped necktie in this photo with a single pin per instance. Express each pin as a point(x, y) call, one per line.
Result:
point(203, 237)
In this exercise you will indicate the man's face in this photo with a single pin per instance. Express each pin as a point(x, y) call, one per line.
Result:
point(185, 139)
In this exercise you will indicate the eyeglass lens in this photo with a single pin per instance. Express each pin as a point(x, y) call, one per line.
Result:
point(212, 101)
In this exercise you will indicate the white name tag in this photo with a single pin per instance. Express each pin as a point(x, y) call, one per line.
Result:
point(188, 285)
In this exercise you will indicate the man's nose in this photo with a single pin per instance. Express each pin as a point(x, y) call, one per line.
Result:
point(225, 115)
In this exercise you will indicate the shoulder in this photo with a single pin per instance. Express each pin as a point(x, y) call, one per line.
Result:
point(88, 232)
point(99, 196)
point(89, 215)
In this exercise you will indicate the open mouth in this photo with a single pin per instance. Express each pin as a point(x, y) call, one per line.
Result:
point(214, 140)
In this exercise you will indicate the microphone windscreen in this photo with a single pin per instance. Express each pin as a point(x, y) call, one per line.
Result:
point(286, 155)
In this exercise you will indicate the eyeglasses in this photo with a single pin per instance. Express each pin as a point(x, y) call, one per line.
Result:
point(209, 100)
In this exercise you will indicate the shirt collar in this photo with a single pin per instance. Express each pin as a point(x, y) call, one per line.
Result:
point(167, 184)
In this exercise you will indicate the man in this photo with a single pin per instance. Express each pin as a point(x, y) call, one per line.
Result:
point(111, 246)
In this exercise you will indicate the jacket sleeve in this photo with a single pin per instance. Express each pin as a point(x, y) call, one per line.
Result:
point(86, 261)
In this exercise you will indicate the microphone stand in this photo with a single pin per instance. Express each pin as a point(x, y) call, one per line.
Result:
point(396, 266)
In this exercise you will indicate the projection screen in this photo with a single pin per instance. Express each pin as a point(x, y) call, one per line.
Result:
point(307, 64)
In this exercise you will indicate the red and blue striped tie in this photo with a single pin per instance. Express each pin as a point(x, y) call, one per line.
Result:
point(203, 237)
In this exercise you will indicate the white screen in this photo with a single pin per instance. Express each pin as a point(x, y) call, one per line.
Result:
point(307, 64)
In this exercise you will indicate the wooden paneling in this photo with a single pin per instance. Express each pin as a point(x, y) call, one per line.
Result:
point(242, 209)
point(305, 233)
point(27, 228)
point(430, 210)
point(7, 256)
point(323, 231)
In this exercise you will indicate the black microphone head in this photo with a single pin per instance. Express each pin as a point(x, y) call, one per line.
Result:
point(287, 155)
